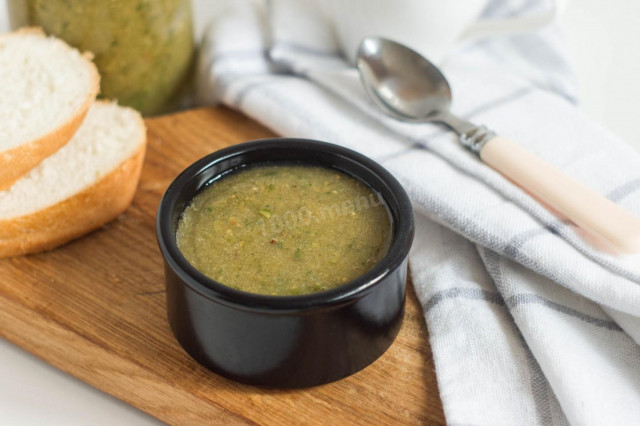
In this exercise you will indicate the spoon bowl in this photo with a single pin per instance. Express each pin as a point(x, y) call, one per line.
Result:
point(403, 83)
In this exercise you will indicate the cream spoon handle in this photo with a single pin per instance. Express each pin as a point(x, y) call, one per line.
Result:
point(585, 207)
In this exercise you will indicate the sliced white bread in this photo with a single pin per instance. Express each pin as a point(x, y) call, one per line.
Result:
point(46, 88)
point(88, 182)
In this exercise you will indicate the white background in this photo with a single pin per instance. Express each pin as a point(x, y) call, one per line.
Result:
point(605, 41)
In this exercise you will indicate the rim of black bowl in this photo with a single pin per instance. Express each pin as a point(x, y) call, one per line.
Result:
point(403, 224)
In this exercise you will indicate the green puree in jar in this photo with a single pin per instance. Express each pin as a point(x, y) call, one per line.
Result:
point(285, 229)
point(143, 48)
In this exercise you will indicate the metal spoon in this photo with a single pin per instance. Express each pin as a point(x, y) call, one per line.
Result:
point(408, 87)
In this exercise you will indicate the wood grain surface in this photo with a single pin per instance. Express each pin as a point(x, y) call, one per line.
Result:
point(95, 308)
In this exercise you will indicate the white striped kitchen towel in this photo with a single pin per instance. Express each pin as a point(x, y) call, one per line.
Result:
point(528, 323)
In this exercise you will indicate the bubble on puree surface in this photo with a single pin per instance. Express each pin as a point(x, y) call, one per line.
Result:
point(285, 229)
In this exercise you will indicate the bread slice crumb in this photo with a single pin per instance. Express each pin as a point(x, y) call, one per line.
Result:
point(87, 183)
point(47, 88)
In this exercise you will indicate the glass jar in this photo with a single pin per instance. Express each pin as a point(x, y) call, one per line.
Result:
point(143, 48)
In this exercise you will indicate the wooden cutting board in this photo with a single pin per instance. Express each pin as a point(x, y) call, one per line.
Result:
point(95, 308)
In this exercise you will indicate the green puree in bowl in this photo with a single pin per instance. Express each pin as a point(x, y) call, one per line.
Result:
point(285, 229)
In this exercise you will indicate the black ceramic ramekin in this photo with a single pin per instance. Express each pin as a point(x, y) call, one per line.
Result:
point(293, 341)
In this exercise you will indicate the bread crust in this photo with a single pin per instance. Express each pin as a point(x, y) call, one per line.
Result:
point(19, 160)
point(75, 216)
